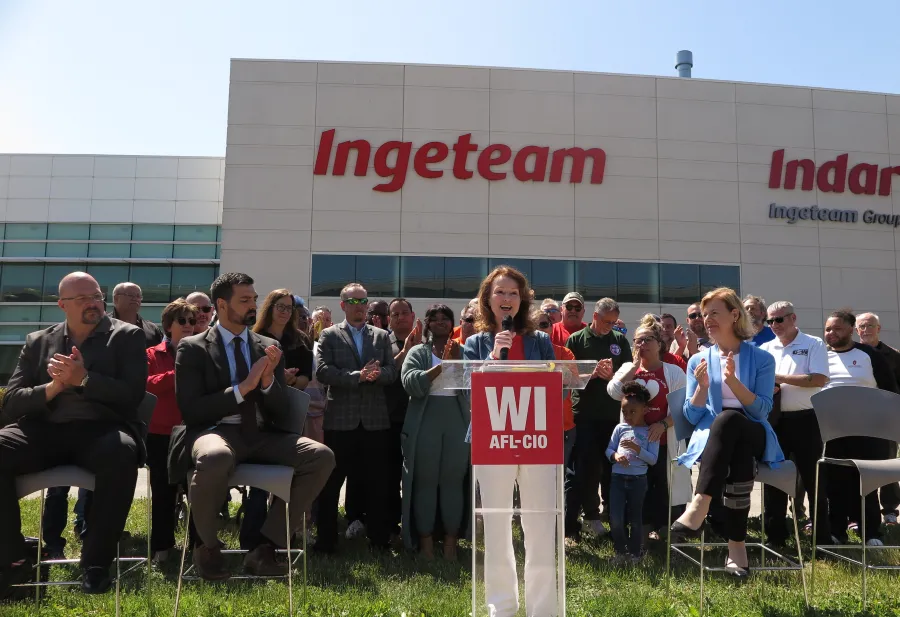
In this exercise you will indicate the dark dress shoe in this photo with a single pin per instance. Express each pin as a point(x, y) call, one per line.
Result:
point(210, 564)
point(261, 561)
point(95, 579)
point(686, 532)
point(15, 575)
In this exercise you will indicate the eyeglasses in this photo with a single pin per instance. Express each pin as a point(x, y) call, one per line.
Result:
point(469, 319)
point(99, 297)
point(543, 324)
point(574, 306)
point(356, 301)
point(551, 309)
point(284, 308)
point(644, 340)
point(695, 315)
point(778, 319)
point(185, 320)
point(132, 296)
point(204, 309)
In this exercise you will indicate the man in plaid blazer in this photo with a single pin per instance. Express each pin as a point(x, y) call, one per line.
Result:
point(355, 361)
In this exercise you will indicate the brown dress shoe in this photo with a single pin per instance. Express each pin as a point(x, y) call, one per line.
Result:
point(261, 562)
point(210, 564)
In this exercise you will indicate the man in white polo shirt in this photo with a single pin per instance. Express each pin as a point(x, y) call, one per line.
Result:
point(801, 369)
point(853, 364)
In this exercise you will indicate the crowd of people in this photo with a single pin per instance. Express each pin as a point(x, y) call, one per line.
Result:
point(381, 420)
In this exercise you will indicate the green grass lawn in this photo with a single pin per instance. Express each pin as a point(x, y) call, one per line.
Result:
point(356, 583)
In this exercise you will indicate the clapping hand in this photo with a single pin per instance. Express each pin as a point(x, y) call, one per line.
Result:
point(68, 370)
point(414, 337)
point(701, 374)
point(273, 357)
point(728, 371)
point(451, 350)
point(370, 372)
point(603, 370)
point(680, 336)
point(290, 375)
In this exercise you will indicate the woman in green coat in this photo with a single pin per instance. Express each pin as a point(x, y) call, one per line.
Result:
point(436, 455)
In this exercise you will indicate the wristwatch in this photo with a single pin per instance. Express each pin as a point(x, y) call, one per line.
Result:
point(84, 381)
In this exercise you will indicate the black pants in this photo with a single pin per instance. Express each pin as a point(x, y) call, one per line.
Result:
point(656, 501)
point(799, 437)
point(890, 495)
point(56, 514)
point(365, 453)
point(592, 469)
point(256, 509)
point(162, 536)
point(729, 460)
point(102, 448)
point(843, 485)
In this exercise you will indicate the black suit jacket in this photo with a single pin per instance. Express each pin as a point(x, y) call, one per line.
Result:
point(205, 394)
point(116, 362)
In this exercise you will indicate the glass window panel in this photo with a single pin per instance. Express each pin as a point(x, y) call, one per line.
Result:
point(21, 282)
point(69, 231)
point(196, 251)
point(195, 233)
point(2, 228)
point(110, 232)
point(422, 277)
point(637, 283)
point(463, 276)
point(218, 251)
point(188, 279)
point(67, 249)
point(9, 357)
point(155, 282)
point(712, 277)
point(108, 275)
point(24, 249)
point(330, 273)
point(522, 265)
point(679, 283)
point(109, 250)
point(20, 313)
point(53, 274)
point(218, 234)
point(153, 232)
point(379, 274)
point(16, 333)
point(52, 314)
point(154, 312)
point(160, 251)
point(595, 280)
point(26, 231)
point(552, 278)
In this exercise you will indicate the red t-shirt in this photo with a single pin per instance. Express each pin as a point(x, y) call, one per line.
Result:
point(560, 334)
point(517, 351)
point(564, 353)
point(671, 358)
point(655, 382)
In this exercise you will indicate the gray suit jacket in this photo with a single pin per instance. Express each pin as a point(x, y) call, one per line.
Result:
point(338, 365)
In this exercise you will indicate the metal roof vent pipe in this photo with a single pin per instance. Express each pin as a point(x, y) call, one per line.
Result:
point(684, 62)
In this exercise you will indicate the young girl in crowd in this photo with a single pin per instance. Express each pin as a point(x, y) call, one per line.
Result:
point(631, 451)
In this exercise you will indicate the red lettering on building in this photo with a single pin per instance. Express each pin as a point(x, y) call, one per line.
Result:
point(392, 158)
point(832, 176)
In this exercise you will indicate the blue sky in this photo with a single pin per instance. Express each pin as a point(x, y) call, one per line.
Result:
point(122, 77)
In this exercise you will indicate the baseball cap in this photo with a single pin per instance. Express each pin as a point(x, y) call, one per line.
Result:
point(574, 295)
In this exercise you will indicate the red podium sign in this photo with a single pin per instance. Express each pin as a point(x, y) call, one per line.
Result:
point(517, 418)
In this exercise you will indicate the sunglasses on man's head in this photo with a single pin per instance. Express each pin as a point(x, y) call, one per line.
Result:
point(551, 309)
point(778, 319)
point(185, 320)
point(204, 309)
point(694, 315)
point(469, 319)
point(357, 301)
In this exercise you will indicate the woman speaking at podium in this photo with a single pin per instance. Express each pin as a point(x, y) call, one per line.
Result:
point(505, 296)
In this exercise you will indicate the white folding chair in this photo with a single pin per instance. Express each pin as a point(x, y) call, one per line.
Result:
point(784, 478)
point(70, 475)
point(854, 411)
point(275, 479)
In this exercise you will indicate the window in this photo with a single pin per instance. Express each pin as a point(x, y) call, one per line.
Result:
point(155, 282)
point(188, 279)
point(196, 233)
point(595, 279)
point(15, 333)
point(67, 249)
point(552, 278)
point(145, 251)
point(110, 232)
point(53, 274)
point(522, 265)
point(152, 313)
point(679, 283)
point(24, 249)
point(20, 313)
point(52, 314)
point(26, 231)
point(330, 273)
point(195, 251)
point(379, 274)
point(108, 275)
point(21, 282)
point(637, 283)
point(422, 277)
point(463, 276)
point(160, 233)
point(115, 249)
point(69, 231)
point(712, 277)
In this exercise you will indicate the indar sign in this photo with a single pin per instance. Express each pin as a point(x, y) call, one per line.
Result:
point(517, 418)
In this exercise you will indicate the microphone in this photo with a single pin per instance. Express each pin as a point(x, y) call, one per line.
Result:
point(507, 324)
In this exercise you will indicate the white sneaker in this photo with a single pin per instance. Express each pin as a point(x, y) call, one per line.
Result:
point(890, 519)
point(356, 529)
point(874, 542)
point(597, 527)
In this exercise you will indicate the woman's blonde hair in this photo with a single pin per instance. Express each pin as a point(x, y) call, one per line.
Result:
point(742, 326)
point(648, 322)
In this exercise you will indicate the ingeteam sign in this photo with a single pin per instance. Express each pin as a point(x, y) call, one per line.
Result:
point(832, 176)
point(529, 164)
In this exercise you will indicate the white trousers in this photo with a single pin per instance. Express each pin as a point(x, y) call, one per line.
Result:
point(537, 491)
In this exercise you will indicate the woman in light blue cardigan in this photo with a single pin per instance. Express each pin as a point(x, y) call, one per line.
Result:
point(728, 400)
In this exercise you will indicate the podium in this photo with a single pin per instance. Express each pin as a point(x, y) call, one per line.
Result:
point(517, 447)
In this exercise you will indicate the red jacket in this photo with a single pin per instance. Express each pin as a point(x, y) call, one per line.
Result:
point(161, 382)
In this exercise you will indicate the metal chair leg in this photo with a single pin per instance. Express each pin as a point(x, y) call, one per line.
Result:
point(287, 526)
point(669, 532)
point(762, 526)
point(149, 547)
point(815, 534)
point(865, 565)
point(702, 570)
point(187, 537)
point(37, 588)
point(799, 550)
point(304, 559)
point(118, 578)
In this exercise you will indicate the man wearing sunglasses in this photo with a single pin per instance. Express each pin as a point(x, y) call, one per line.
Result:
point(801, 369)
point(127, 298)
point(550, 307)
point(573, 314)
point(756, 309)
point(205, 310)
point(378, 314)
point(697, 338)
point(354, 359)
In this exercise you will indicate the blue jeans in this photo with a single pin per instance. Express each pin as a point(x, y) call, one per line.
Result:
point(626, 503)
